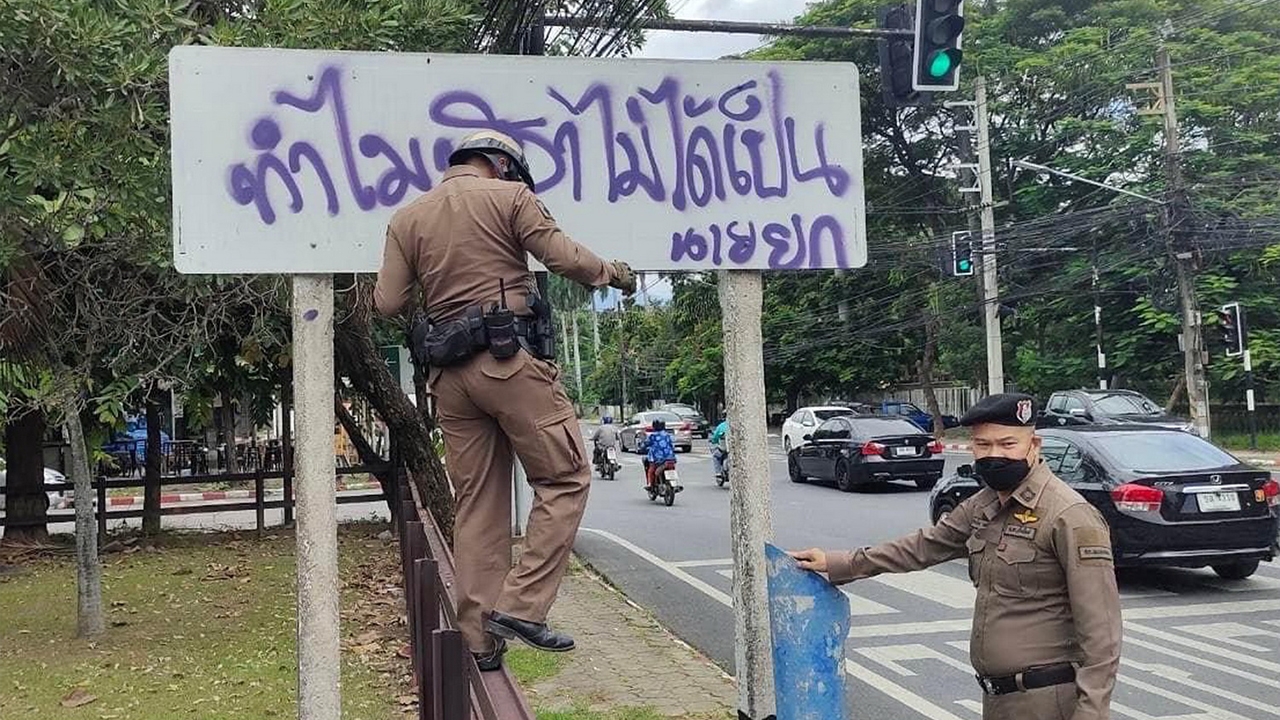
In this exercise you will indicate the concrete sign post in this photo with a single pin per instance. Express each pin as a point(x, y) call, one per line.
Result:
point(293, 161)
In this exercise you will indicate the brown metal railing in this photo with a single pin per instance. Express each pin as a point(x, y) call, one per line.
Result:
point(450, 686)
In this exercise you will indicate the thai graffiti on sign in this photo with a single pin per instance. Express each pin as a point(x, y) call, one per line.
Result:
point(293, 161)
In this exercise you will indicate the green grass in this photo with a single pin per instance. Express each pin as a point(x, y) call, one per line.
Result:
point(532, 666)
point(1267, 442)
point(198, 627)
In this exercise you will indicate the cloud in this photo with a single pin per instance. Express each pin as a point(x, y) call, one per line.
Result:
point(709, 46)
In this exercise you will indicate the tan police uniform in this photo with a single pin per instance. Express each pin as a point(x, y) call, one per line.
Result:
point(1046, 592)
point(455, 242)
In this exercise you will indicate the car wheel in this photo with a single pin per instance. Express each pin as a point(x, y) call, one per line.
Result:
point(945, 506)
point(786, 444)
point(1237, 570)
point(793, 469)
point(844, 477)
point(926, 483)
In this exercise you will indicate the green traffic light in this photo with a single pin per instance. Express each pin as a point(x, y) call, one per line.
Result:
point(964, 266)
point(940, 65)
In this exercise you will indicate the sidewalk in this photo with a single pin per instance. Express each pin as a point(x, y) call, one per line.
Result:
point(626, 666)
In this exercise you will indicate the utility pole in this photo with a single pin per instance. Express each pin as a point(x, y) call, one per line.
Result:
point(1180, 253)
point(985, 205)
point(1097, 320)
point(843, 305)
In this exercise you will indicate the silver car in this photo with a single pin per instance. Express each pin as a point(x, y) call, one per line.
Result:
point(641, 424)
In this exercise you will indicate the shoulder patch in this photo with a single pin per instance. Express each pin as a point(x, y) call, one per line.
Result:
point(1092, 536)
point(1095, 552)
point(543, 207)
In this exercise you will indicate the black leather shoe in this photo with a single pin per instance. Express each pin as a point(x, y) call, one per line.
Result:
point(492, 660)
point(535, 635)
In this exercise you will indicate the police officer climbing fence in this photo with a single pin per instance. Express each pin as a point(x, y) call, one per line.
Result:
point(1046, 622)
point(488, 342)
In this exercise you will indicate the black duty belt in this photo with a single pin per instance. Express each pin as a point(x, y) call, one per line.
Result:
point(1028, 679)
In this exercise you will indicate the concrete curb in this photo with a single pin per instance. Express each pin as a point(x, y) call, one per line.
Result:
point(175, 498)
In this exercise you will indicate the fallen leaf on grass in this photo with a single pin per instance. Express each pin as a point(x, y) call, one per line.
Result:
point(77, 698)
point(407, 699)
point(405, 651)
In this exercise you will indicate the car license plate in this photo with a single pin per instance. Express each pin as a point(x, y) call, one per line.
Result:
point(1218, 502)
point(672, 475)
point(904, 452)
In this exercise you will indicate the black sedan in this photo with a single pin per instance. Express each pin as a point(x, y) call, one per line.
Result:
point(855, 451)
point(699, 425)
point(1171, 498)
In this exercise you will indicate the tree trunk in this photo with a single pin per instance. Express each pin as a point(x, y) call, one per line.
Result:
point(577, 357)
point(926, 372)
point(151, 479)
point(229, 432)
point(358, 359)
point(26, 504)
point(89, 620)
point(369, 456)
point(1179, 386)
point(595, 330)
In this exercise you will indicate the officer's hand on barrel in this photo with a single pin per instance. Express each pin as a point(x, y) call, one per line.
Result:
point(815, 559)
point(622, 277)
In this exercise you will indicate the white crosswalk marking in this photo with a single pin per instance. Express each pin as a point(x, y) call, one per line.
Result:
point(892, 657)
point(932, 585)
point(1226, 633)
point(858, 605)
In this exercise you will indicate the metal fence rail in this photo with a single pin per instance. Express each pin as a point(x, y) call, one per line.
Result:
point(450, 685)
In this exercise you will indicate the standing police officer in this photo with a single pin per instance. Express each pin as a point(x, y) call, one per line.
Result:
point(1046, 623)
point(464, 243)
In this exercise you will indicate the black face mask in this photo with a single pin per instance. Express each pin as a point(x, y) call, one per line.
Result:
point(1001, 474)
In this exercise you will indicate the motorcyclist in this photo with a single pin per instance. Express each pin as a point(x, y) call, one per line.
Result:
point(719, 446)
point(659, 449)
point(604, 437)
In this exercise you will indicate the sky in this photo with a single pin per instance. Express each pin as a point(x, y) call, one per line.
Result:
point(706, 46)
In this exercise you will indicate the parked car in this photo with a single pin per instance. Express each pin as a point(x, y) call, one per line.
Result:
point(1107, 407)
point(805, 420)
point(855, 451)
point(701, 426)
point(1170, 497)
point(634, 433)
point(57, 498)
point(912, 412)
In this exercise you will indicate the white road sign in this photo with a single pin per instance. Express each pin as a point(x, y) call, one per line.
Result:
point(293, 161)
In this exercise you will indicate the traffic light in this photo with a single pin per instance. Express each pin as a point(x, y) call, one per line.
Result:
point(962, 252)
point(896, 58)
point(1231, 324)
point(936, 62)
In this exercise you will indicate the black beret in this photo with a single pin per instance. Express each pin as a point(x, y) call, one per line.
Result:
point(1013, 409)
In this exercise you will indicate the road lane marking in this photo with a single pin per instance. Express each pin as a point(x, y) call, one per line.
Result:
point(1253, 662)
point(720, 562)
point(933, 586)
point(1143, 613)
point(892, 657)
point(1268, 681)
point(1182, 677)
point(858, 605)
point(1227, 632)
point(903, 695)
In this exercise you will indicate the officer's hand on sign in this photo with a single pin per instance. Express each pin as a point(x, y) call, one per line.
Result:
point(622, 277)
point(815, 559)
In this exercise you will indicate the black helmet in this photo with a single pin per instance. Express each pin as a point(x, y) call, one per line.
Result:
point(659, 425)
point(486, 142)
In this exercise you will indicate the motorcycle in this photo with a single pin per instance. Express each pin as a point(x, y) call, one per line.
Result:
point(607, 464)
point(666, 485)
point(722, 477)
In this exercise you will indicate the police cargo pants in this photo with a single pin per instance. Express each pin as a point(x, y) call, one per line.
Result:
point(488, 408)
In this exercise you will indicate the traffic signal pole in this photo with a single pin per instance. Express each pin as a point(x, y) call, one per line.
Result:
point(985, 205)
point(1248, 398)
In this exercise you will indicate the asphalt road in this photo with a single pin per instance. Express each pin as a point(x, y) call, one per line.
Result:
point(1195, 646)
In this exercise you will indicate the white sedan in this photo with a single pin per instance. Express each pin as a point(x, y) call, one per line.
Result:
point(57, 498)
point(803, 422)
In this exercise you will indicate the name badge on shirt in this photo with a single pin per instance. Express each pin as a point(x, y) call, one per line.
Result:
point(1020, 531)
